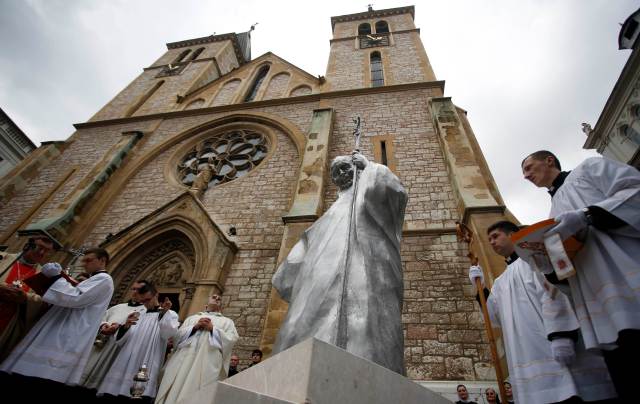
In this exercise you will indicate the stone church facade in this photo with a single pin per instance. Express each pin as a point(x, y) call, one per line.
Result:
point(202, 173)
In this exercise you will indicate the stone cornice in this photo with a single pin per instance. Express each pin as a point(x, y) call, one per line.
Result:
point(259, 104)
point(201, 40)
point(177, 64)
point(347, 38)
point(372, 14)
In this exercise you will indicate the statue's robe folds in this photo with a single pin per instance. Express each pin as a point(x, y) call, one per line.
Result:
point(311, 277)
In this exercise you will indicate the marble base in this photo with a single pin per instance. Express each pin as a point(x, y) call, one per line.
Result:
point(318, 373)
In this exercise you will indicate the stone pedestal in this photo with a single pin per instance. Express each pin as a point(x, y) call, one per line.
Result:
point(317, 373)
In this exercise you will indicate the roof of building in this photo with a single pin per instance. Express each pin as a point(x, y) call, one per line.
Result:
point(241, 43)
point(16, 134)
point(372, 14)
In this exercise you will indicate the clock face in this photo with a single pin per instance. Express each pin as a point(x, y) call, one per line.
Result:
point(372, 40)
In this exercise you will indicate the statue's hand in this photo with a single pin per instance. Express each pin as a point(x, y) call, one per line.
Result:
point(359, 160)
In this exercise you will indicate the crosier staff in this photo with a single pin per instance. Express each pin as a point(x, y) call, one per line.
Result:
point(465, 234)
point(341, 340)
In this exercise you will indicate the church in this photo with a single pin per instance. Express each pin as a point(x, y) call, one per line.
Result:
point(202, 173)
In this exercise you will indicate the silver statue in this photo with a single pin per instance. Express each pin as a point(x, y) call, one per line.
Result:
point(343, 279)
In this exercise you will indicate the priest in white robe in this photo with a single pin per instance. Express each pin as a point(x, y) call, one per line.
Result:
point(311, 277)
point(58, 346)
point(547, 362)
point(143, 340)
point(599, 203)
point(204, 344)
point(105, 349)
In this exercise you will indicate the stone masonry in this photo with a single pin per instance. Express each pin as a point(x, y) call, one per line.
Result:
point(444, 332)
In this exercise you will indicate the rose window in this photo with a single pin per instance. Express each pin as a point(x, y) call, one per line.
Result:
point(223, 158)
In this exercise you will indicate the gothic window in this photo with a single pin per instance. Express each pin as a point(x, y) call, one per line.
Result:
point(196, 54)
point(382, 27)
point(377, 75)
point(635, 111)
point(222, 158)
point(628, 133)
point(181, 56)
point(364, 29)
point(262, 73)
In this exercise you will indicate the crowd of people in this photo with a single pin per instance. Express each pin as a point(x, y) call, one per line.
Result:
point(572, 340)
point(566, 340)
point(59, 339)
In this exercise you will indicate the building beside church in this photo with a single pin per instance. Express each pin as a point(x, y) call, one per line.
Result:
point(616, 134)
point(14, 144)
point(202, 173)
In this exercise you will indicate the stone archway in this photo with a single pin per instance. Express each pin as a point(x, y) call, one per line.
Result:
point(168, 260)
point(179, 247)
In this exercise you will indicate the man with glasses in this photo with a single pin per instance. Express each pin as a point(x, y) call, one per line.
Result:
point(204, 345)
point(105, 348)
point(19, 308)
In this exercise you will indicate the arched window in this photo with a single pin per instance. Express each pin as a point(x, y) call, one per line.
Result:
point(181, 56)
point(262, 73)
point(628, 133)
point(364, 29)
point(382, 27)
point(635, 111)
point(196, 54)
point(377, 75)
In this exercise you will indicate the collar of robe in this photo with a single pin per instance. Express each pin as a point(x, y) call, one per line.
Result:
point(131, 303)
point(215, 313)
point(102, 271)
point(512, 258)
point(557, 183)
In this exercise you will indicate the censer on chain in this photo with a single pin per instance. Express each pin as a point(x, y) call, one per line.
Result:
point(139, 382)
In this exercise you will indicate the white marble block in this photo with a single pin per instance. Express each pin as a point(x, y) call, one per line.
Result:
point(318, 373)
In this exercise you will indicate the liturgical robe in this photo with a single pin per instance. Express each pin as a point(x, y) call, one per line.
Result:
point(528, 310)
point(102, 357)
point(311, 276)
point(201, 358)
point(145, 343)
point(59, 344)
point(606, 288)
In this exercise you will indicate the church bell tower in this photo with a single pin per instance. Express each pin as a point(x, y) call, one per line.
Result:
point(376, 48)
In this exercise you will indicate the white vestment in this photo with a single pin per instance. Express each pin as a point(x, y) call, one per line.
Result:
point(606, 288)
point(528, 309)
point(102, 357)
point(201, 358)
point(145, 343)
point(58, 346)
point(311, 277)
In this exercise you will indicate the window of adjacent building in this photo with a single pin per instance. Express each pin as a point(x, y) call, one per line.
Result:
point(382, 27)
point(377, 75)
point(628, 133)
point(196, 53)
point(262, 73)
point(181, 56)
point(364, 29)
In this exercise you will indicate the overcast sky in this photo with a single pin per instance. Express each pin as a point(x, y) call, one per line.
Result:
point(528, 71)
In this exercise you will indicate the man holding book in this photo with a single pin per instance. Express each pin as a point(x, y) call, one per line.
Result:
point(599, 203)
point(540, 332)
